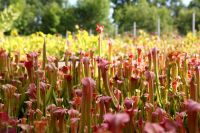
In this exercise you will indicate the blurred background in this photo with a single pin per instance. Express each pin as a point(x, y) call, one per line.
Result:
point(58, 16)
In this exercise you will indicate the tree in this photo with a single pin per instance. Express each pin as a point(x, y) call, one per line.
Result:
point(68, 20)
point(184, 20)
point(27, 22)
point(40, 15)
point(91, 12)
point(158, 3)
point(9, 14)
point(195, 4)
point(175, 6)
point(144, 15)
point(51, 18)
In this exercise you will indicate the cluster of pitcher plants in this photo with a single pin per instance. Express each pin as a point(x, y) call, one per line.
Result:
point(144, 92)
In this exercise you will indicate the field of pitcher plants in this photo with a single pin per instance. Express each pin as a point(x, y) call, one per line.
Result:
point(142, 84)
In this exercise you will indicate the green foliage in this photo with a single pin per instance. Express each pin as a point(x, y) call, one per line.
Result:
point(144, 15)
point(57, 16)
point(91, 12)
point(36, 17)
point(195, 4)
point(166, 19)
point(51, 18)
point(184, 21)
point(52, 1)
point(26, 23)
point(68, 20)
point(10, 14)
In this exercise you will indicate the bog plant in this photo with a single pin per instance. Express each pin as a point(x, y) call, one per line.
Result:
point(149, 90)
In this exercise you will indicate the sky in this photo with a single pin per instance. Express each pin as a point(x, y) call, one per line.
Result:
point(73, 2)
